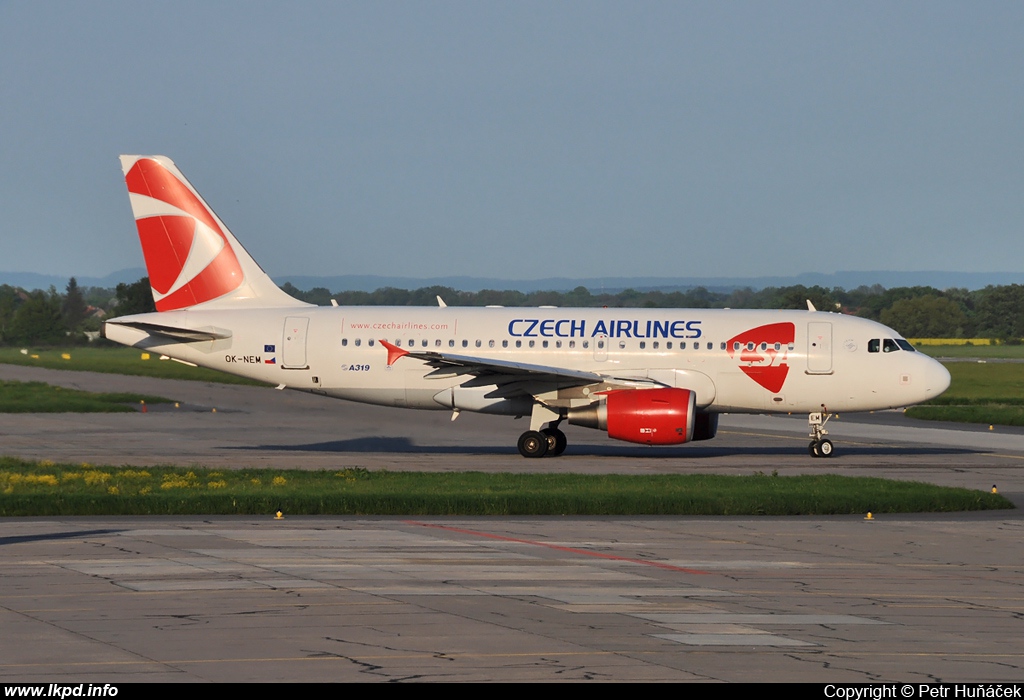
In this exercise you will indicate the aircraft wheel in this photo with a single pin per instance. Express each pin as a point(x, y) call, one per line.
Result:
point(533, 444)
point(825, 448)
point(812, 449)
point(557, 441)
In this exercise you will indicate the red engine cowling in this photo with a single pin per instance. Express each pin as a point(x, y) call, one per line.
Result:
point(646, 416)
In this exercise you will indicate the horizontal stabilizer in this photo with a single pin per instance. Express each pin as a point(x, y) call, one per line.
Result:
point(183, 335)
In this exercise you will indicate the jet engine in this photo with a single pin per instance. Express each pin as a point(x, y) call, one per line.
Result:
point(647, 416)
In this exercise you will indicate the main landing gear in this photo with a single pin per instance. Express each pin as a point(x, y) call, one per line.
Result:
point(549, 442)
point(820, 445)
point(543, 442)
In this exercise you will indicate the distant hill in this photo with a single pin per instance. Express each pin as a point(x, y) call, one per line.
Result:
point(32, 280)
point(612, 285)
point(368, 283)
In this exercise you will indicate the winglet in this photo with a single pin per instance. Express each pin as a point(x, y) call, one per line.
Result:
point(394, 352)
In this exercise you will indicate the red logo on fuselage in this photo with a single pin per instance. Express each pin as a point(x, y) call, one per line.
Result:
point(762, 353)
point(188, 257)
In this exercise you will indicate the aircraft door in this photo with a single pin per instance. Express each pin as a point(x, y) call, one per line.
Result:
point(819, 347)
point(294, 355)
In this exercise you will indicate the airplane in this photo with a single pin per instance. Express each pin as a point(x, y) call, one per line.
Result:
point(645, 376)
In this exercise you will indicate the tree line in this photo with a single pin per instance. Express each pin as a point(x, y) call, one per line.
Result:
point(55, 318)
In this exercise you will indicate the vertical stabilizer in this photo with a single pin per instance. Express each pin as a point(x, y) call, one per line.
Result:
point(192, 257)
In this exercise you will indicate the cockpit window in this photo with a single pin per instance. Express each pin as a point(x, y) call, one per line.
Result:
point(873, 345)
point(889, 345)
point(905, 345)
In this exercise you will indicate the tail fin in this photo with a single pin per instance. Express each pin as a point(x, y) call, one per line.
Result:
point(191, 256)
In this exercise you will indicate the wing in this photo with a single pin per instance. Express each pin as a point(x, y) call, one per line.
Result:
point(510, 378)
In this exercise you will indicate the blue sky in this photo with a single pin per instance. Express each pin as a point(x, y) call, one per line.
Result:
point(524, 139)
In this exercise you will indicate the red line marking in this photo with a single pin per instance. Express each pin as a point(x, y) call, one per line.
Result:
point(571, 550)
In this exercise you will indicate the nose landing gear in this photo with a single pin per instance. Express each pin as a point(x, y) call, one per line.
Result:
point(820, 445)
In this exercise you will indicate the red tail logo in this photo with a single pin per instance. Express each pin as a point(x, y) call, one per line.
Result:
point(187, 254)
point(763, 352)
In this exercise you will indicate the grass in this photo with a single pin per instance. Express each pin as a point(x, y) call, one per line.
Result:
point(37, 397)
point(971, 382)
point(45, 488)
point(986, 393)
point(980, 352)
point(116, 361)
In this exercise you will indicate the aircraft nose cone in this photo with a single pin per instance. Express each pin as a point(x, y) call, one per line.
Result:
point(936, 378)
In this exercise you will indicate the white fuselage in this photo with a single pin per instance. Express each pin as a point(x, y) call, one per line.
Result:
point(734, 360)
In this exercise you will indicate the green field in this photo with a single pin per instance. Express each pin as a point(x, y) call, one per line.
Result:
point(980, 352)
point(990, 393)
point(37, 397)
point(975, 382)
point(116, 361)
point(44, 488)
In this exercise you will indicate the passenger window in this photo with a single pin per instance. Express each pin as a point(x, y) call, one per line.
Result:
point(437, 343)
point(682, 346)
point(572, 344)
point(465, 343)
point(544, 343)
point(711, 346)
point(519, 343)
point(490, 343)
point(370, 342)
point(668, 345)
point(504, 343)
point(344, 342)
point(622, 345)
point(654, 345)
point(451, 343)
point(358, 342)
point(586, 344)
point(479, 344)
point(873, 345)
point(424, 343)
point(532, 343)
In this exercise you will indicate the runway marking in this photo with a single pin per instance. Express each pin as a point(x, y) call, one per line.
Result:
point(777, 436)
point(1005, 456)
point(571, 550)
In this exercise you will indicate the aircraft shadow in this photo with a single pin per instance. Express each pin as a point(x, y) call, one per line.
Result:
point(403, 445)
point(18, 539)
